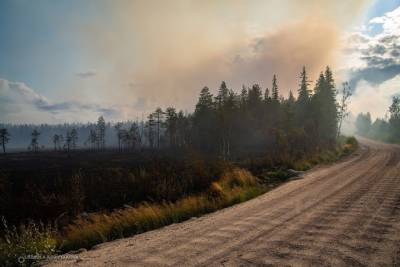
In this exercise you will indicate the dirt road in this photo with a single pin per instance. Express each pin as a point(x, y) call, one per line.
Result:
point(347, 214)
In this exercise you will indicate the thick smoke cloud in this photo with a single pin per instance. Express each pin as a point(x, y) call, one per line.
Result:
point(163, 53)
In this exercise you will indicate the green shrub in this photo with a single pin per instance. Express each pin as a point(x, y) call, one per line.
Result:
point(352, 141)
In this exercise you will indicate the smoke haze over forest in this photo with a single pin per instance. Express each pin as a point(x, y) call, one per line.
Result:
point(72, 62)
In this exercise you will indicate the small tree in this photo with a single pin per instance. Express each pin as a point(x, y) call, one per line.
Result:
point(171, 125)
point(61, 141)
point(101, 133)
point(275, 90)
point(394, 119)
point(158, 116)
point(343, 105)
point(74, 138)
point(93, 138)
point(34, 145)
point(118, 129)
point(150, 132)
point(304, 92)
point(4, 138)
point(68, 141)
point(134, 136)
point(56, 141)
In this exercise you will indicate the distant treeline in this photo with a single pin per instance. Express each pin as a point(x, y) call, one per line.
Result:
point(227, 124)
point(387, 130)
point(20, 134)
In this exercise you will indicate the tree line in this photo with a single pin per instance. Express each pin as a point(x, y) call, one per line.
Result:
point(383, 129)
point(227, 124)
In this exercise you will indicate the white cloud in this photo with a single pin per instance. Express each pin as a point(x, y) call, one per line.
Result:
point(374, 49)
point(372, 63)
point(21, 104)
point(390, 22)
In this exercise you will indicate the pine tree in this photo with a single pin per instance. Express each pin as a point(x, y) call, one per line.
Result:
point(320, 85)
point(68, 141)
point(101, 133)
point(92, 138)
point(291, 98)
point(394, 120)
point(243, 97)
point(222, 95)
point(255, 97)
point(331, 106)
point(205, 102)
point(325, 108)
point(118, 129)
point(266, 95)
point(34, 146)
point(158, 116)
point(275, 90)
point(134, 136)
point(4, 138)
point(304, 92)
point(171, 125)
point(204, 119)
point(303, 105)
point(150, 124)
point(74, 138)
point(56, 141)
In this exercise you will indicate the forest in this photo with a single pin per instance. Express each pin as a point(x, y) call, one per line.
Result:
point(226, 125)
point(382, 129)
point(234, 146)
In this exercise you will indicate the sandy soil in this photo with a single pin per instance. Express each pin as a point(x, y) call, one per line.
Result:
point(346, 214)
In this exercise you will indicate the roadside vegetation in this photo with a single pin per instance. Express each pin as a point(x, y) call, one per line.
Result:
point(167, 169)
point(235, 185)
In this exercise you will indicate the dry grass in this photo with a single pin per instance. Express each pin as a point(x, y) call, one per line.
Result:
point(235, 186)
point(26, 240)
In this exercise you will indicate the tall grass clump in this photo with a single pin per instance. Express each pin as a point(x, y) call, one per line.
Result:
point(235, 185)
point(23, 245)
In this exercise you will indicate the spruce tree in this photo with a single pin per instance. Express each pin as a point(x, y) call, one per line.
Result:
point(204, 119)
point(205, 102)
point(222, 96)
point(101, 133)
point(243, 97)
point(266, 95)
point(324, 106)
point(275, 90)
point(304, 92)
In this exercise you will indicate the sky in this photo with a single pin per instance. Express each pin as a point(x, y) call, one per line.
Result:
point(72, 61)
